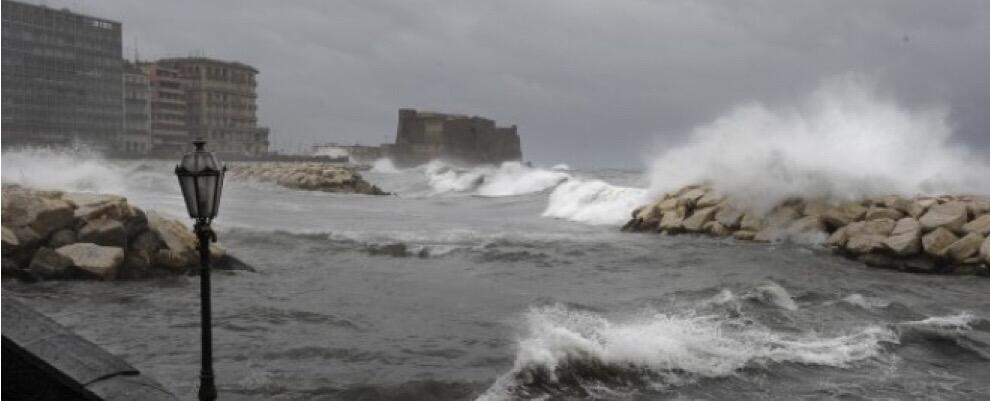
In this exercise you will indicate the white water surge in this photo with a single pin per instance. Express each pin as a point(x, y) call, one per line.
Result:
point(562, 345)
point(844, 141)
point(62, 170)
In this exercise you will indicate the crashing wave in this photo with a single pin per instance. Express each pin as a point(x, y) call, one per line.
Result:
point(843, 142)
point(593, 202)
point(384, 166)
point(507, 179)
point(964, 329)
point(63, 170)
point(569, 352)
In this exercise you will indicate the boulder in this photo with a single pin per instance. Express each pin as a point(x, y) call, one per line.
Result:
point(712, 198)
point(868, 236)
point(964, 248)
point(104, 231)
point(782, 217)
point(95, 260)
point(47, 264)
point(751, 222)
point(843, 214)
point(816, 207)
point(137, 263)
point(179, 242)
point(977, 207)
point(671, 222)
point(864, 243)
point(744, 235)
point(96, 206)
point(985, 251)
point(10, 242)
point(27, 242)
point(905, 239)
point(876, 212)
point(936, 242)
point(729, 217)
point(62, 238)
point(668, 204)
point(716, 229)
point(907, 206)
point(135, 224)
point(838, 238)
point(147, 242)
point(979, 225)
point(650, 217)
point(42, 214)
point(810, 224)
point(951, 215)
point(697, 220)
point(172, 261)
point(690, 197)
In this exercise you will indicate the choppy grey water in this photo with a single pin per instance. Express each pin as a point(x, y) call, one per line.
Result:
point(442, 293)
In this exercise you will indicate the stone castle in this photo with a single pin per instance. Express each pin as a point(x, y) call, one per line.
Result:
point(422, 136)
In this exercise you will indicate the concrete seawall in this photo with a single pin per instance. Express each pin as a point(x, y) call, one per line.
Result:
point(42, 360)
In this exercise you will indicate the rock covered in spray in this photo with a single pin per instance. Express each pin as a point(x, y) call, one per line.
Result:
point(941, 234)
point(307, 176)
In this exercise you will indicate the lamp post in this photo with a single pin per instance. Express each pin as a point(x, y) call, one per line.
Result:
point(201, 181)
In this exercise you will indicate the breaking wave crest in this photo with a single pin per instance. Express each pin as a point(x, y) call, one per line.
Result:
point(845, 141)
point(577, 353)
point(507, 179)
point(66, 170)
point(964, 330)
point(593, 202)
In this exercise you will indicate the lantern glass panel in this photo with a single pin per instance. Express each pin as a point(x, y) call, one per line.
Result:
point(206, 187)
point(216, 198)
point(188, 185)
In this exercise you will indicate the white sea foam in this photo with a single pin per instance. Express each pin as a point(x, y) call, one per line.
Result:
point(593, 202)
point(384, 166)
point(845, 141)
point(771, 293)
point(62, 170)
point(507, 179)
point(867, 303)
point(674, 348)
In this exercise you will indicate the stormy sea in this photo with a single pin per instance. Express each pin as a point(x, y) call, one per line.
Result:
point(515, 282)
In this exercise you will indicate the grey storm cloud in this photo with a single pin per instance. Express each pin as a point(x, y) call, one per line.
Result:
point(588, 82)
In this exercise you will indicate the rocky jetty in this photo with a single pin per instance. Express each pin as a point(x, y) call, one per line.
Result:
point(943, 234)
point(307, 176)
point(54, 235)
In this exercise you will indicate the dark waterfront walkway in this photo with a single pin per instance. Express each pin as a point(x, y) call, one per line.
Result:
point(42, 360)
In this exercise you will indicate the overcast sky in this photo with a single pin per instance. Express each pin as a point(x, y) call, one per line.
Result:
point(590, 83)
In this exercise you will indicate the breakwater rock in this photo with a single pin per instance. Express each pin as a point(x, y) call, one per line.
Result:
point(307, 176)
point(55, 235)
point(939, 234)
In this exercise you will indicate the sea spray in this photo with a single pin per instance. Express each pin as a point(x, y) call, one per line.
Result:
point(384, 166)
point(507, 179)
point(566, 351)
point(845, 141)
point(65, 170)
point(593, 202)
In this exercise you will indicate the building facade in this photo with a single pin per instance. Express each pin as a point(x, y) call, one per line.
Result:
point(167, 98)
point(61, 80)
point(222, 104)
point(135, 136)
point(423, 136)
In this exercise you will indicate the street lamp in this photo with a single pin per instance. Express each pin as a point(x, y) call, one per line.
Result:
point(201, 180)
